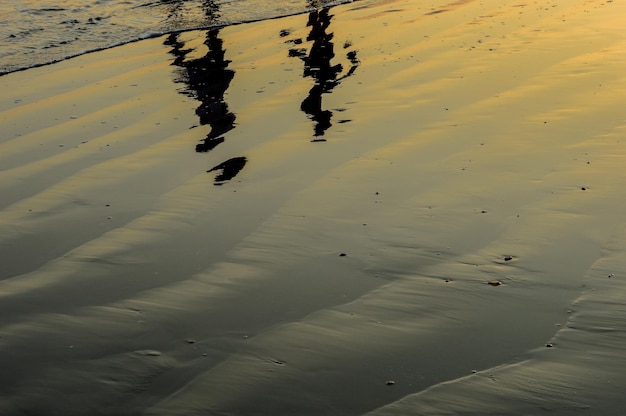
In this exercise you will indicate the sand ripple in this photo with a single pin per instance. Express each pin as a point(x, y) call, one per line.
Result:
point(320, 214)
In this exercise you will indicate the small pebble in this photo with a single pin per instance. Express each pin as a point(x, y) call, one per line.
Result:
point(390, 382)
point(495, 283)
point(549, 345)
point(508, 258)
point(342, 255)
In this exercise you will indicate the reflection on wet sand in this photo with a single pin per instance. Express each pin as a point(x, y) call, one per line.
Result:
point(127, 290)
point(229, 168)
point(318, 65)
point(207, 79)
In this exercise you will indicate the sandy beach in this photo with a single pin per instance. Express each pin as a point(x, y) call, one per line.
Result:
point(381, 208)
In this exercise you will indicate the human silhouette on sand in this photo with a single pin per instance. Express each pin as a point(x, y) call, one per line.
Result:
point(207, 79)
point(318, 65)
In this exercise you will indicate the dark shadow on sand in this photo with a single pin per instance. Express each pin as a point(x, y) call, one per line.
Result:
point(229, 168)
point(207, 79)
point(319, 66)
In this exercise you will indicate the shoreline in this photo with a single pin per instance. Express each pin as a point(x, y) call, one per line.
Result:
point(214, 26)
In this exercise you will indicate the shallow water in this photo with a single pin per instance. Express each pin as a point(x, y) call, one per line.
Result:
point(36, 32)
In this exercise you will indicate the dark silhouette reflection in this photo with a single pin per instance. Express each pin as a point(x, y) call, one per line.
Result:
point(318, 65)
point(207, 79)
point(229, 169)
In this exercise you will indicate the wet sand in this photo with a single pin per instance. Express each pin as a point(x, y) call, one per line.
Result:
point(381, 209)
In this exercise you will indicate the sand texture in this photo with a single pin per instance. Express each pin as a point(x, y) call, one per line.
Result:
point(391, 208)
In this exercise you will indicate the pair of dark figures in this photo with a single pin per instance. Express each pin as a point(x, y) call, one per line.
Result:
point(209, 77)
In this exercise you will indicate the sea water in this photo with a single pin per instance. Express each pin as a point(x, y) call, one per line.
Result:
point(39, 32)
